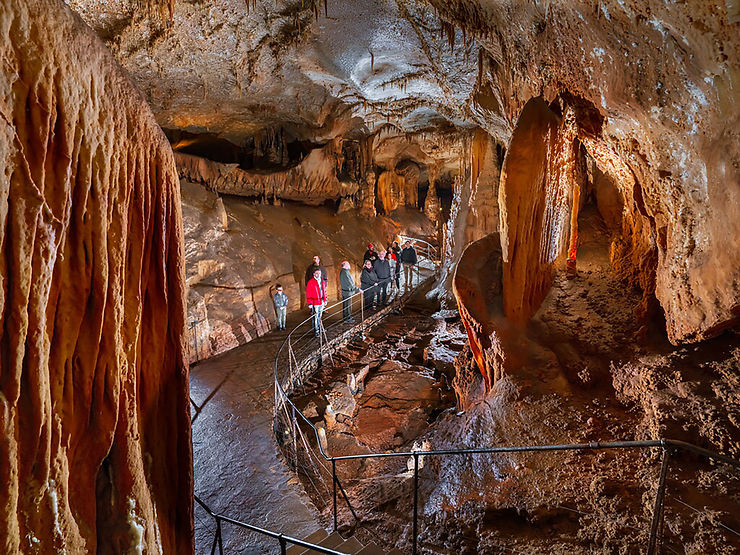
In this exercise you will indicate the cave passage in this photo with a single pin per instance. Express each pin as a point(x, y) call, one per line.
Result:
point(552, 194)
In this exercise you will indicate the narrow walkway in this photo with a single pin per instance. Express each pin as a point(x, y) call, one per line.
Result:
point(238, 470)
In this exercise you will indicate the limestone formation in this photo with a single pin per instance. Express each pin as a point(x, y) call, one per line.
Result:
point(484, 184)
point(391, 191)
point(479, 288)
point(535, 199)
point(313, 181)
point(95, 449)
point(658, 79)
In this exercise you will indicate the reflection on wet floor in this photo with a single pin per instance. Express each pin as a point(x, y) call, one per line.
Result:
point(238, 470)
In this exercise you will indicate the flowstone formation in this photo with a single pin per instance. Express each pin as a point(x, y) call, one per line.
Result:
point(95, 450)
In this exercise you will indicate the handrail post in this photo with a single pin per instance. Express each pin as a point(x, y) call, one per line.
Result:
point(416, 502)
point(217, 538)
point(334, 485)
point(283, 544)
point(658, 506)
point(362, 313)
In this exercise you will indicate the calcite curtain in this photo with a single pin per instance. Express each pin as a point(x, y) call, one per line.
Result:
point(95, 448)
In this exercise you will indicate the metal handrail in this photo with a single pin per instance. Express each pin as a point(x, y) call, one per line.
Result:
point(282, 538)
point(667, 446)
point(428, 247)
point(280, 394)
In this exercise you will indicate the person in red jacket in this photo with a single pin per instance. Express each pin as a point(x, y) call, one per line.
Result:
point(316, 299)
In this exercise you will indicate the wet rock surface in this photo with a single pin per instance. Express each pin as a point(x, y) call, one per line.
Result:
point(95, 452)
point(593, 372)
point(238, 470)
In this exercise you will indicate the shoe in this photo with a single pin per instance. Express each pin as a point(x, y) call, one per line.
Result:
point(350, 320)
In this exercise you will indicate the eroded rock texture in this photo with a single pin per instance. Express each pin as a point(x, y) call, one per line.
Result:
point(660, 76)
point(95, 452)
point(313, 181)
point(478, 289)
point(535, 198)
point(651, 86)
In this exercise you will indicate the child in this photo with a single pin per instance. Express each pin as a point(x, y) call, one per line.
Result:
point(281, 306)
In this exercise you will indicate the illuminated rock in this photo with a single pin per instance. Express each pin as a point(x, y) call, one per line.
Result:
point(95, 448)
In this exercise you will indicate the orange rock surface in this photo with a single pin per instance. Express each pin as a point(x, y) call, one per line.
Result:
point(95, 450)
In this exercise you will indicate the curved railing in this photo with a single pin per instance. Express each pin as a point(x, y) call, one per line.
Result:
point(303, 350)
point(305, 445)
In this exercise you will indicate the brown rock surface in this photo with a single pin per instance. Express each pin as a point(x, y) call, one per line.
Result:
point(95, 451)
point(232, 273)
point(657, 77)
point(312, 181)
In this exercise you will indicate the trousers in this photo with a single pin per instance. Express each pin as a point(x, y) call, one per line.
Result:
point(346, 304)
point(409, 272)
point(317, 311)
point(281, 313)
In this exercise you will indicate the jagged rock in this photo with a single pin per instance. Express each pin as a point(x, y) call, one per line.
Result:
point(95, 448)
point(313, 181)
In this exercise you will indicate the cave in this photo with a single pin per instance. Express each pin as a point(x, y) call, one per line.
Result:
point(548, 362)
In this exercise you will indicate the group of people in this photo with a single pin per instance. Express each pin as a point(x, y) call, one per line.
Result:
point(381, 269)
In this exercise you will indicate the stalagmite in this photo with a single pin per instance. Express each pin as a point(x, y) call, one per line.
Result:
point(95, 449)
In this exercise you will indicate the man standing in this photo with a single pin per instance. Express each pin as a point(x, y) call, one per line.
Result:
point(281, 306)
point(396, 249)
point(347, 283)
point(383, 271)
point(369, 282)
point(370, 254)
point(316, 265)
point(316, 299)
point(408, 259)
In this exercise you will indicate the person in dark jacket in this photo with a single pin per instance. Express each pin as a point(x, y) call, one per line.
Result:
point(396, 249)
point(316, 265)
point(408, 259)
point(383, 270)
point(370, 254)
point(347, 284)
point(369, 283)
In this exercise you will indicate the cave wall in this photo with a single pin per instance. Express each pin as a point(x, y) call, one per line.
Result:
point(313, 181)
point(662, 77)
point(95, 450)
point(232, 271)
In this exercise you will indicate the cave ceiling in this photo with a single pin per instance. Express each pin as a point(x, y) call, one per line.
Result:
point(234, 69)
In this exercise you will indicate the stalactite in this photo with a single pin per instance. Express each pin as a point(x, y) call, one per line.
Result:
point(313, 181)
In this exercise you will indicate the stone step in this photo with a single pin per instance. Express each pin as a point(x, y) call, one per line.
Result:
point(332, 541)
point(316, 537)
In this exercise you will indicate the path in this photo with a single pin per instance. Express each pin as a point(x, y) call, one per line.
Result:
point(238, 470)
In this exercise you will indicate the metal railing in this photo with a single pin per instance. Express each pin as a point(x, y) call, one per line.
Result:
point(281, 538)
point(289, 421)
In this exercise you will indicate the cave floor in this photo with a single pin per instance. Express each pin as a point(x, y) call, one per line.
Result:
point(238, 471)
point(597, 374)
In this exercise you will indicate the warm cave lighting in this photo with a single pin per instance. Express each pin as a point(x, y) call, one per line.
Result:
point(200, 354)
